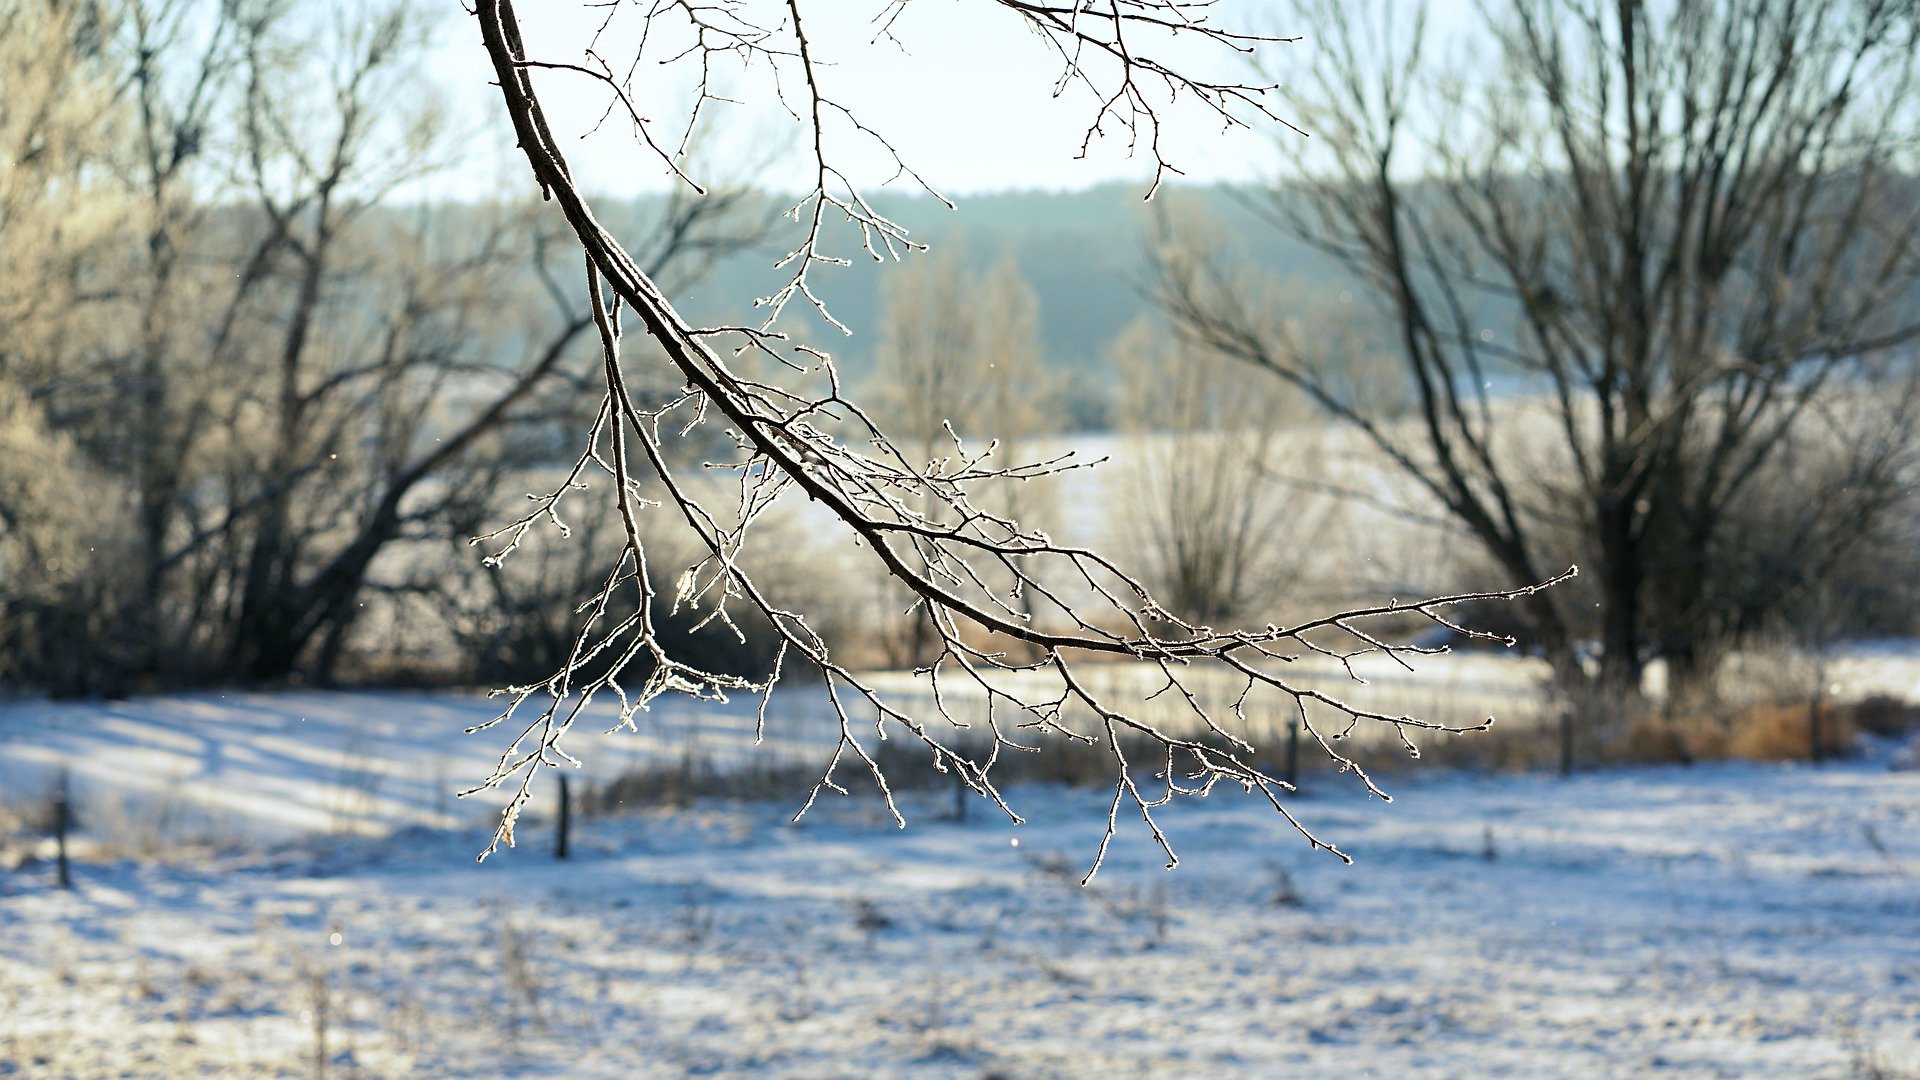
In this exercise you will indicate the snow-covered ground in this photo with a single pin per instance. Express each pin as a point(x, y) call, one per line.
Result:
point(282, 765)
point(268, 766)
point(1725, 920)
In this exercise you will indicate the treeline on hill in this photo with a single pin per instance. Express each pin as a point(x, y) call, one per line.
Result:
point(1082, 253)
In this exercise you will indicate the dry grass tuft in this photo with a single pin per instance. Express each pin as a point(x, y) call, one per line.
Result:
point(1761, 731)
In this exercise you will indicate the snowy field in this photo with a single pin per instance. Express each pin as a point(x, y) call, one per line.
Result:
point(278, 766)
point(1726, 920)
point(264, 766)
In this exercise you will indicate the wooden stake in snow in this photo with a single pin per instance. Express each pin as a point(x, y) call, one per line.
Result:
point(565, 820)
point(60, 821)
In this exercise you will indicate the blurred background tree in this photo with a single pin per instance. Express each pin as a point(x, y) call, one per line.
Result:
point(230, 320)
point(957, 369)
point(1650, 280)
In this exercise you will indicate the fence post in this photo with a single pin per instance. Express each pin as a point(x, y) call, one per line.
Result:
point(1293, 752)
point(61, 819)
point(565, 820)
point(1817, 748)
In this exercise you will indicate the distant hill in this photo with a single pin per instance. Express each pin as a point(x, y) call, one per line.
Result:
point(1080, 251)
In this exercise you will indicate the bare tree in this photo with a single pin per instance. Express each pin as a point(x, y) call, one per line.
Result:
point(957, 354)
point(55, 551)
point(1687, 230)
point(1221, 541)
point(57, 114)
point(214, 296)
point(232, 384)
point(958, 357)
point(59, 215)
point(920, 524)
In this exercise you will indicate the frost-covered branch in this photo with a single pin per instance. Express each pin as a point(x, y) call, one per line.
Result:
point(985, 582)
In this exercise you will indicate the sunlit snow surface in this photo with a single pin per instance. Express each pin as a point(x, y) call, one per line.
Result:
point(1725, 920)
point(276, 766)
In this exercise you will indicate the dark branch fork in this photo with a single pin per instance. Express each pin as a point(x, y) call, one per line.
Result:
point(966, 566)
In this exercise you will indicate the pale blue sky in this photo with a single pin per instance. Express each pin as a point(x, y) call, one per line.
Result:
point(969, 104)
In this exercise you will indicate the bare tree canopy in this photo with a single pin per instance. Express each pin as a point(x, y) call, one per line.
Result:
point(958, 357)
point(224, 328)
point(986, 582)
point(1219, 539)
point(1687, 232)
